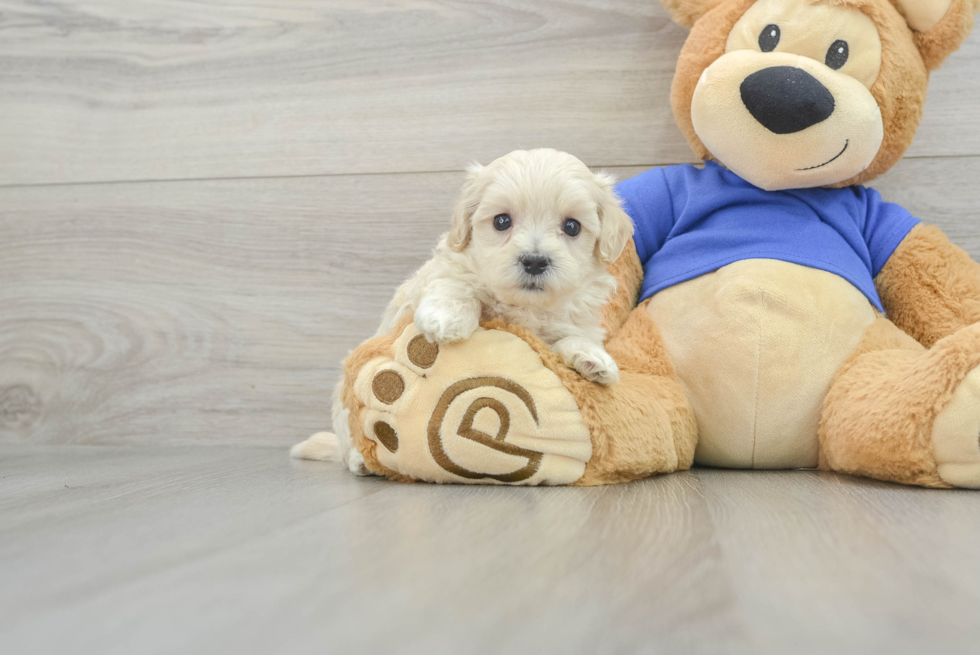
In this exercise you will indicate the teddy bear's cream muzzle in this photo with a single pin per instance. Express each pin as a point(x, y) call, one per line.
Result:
point(776, 137)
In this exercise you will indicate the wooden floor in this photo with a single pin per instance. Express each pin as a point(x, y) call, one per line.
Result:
point(204, 205)
point(240, 550)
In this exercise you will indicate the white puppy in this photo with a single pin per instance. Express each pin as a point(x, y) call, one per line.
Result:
point(529, 243)
point(530, 240)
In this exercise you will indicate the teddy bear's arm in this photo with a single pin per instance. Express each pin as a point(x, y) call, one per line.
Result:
point(929, 287)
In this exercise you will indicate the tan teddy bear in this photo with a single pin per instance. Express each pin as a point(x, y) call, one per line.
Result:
point(771, 312)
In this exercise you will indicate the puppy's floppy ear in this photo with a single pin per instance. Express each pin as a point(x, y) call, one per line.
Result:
point(615, 227)
point(687, 12)
point(461, 228)
point(940, 26)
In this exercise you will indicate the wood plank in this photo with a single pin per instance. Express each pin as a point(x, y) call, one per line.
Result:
point(229, 549)
point(845, 565)
point(218, 311)
point(97, 90)
point(198, 311)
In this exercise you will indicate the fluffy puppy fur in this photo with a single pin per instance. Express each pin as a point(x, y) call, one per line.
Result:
point(531, 238)
point(512, 254)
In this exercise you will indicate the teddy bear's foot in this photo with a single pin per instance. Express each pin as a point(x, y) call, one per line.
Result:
point(956, 436)
point(485, 410)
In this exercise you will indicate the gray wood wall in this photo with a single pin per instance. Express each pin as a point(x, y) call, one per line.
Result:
point(205, 205)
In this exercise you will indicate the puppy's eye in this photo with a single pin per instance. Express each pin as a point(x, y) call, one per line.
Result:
point(502, 222)
point(838, 54)
point(571, 227)
point(769, 38)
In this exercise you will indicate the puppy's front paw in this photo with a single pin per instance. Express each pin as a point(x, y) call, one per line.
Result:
point(597, 367)
point(590, 360)
point(444, 325)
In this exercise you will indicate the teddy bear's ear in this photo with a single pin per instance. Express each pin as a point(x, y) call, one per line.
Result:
point(940, 26)
point(687, 12)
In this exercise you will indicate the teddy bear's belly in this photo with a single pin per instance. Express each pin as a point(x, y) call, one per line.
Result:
point(756, 345)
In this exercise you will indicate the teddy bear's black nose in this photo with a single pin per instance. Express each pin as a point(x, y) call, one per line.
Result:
point(786, 99)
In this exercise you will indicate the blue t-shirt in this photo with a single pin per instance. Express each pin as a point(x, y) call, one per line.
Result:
point(690, 222)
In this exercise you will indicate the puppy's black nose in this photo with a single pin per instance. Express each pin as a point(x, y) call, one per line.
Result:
point(535, 264)
point(786, 99)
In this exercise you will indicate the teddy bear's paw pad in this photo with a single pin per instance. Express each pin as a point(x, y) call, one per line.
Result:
point(485, 411)
point(956, 436)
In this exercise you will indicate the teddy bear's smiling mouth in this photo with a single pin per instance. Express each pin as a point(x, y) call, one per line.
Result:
point(826, 163)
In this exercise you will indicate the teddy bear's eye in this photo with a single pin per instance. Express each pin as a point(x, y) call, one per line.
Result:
point(838, 54)
point(769, 38)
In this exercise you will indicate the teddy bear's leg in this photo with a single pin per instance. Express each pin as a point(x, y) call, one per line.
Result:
point(500, 407)
point(899, 412)
point(645, 423)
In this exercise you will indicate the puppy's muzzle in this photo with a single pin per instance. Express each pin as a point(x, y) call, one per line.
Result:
point(535, 264)
point(786, 100)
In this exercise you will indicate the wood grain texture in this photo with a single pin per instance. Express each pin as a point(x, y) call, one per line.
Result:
point(96, 90)
point(218, 311)
point(204, 550)
point(309, 150)
point(205, 310)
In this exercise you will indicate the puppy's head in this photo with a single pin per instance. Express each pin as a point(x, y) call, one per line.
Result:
point(537, 225)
